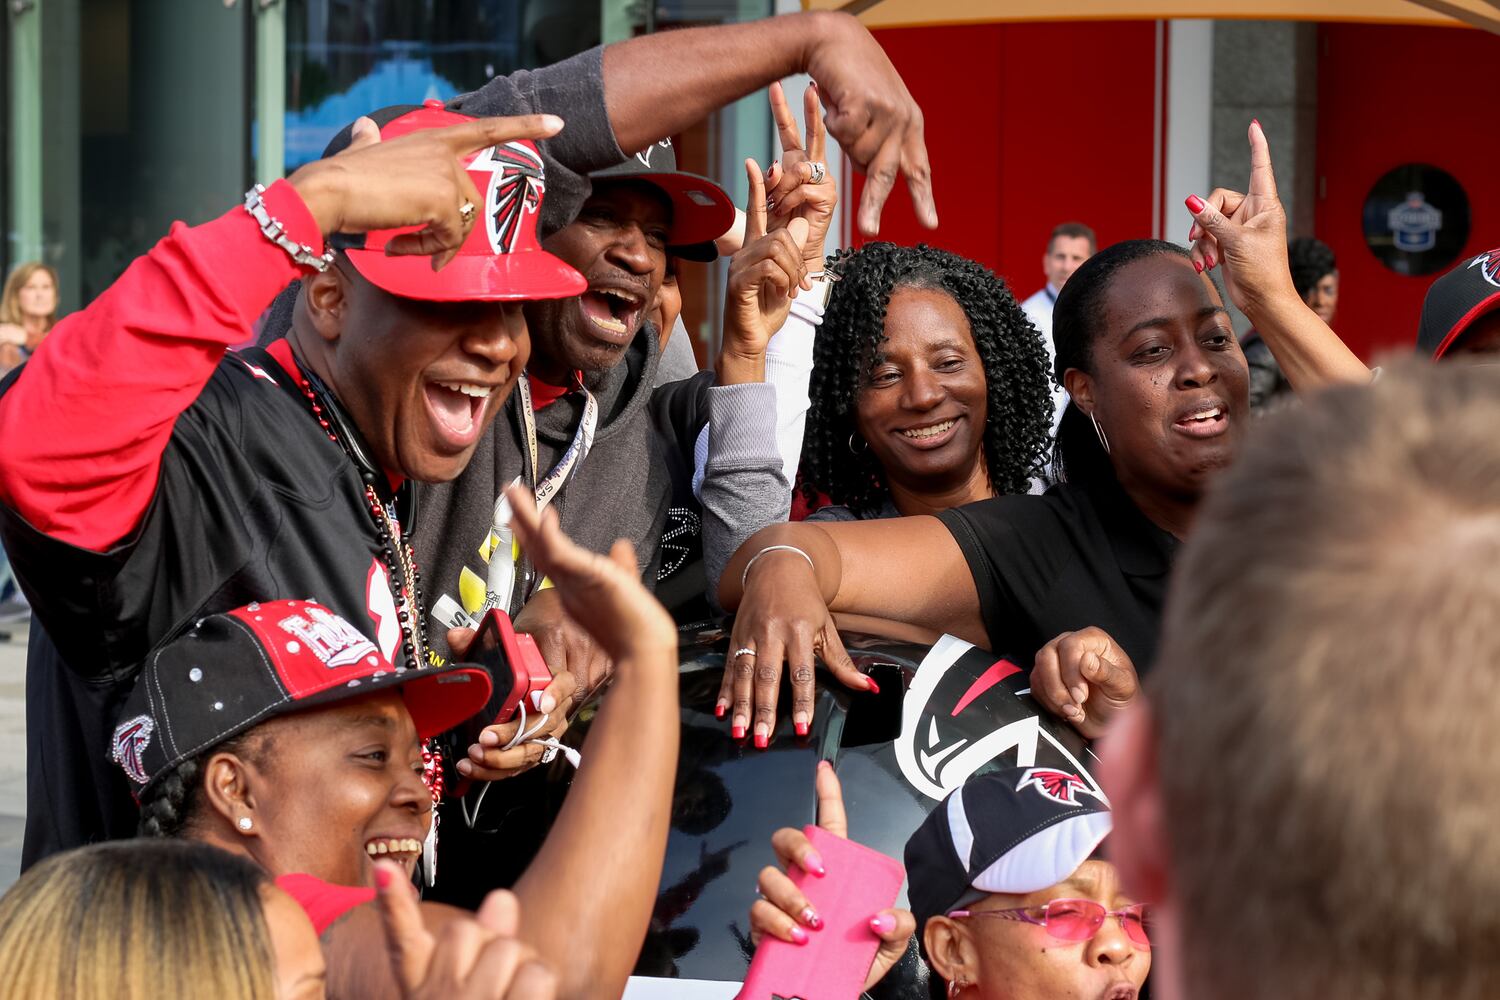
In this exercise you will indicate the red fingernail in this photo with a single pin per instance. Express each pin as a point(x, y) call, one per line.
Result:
point(761, 741)
point(883, 924)
point(813, 861)
point(800, 727)
point(719, 710)
point(810, 918)
point(871, 686)
point(1208, 261)
point(382, 876)
point(799, 935)
point(737, 731)
point(1195, 204)
point(1198, 266)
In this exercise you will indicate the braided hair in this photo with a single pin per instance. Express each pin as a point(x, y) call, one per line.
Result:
point(173, 800)
point(848, 345)
point(1078, 457)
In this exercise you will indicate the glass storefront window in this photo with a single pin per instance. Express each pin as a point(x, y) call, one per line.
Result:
point(347, 57)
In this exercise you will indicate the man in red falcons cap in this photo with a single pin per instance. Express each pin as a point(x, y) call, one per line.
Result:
point(149, 480)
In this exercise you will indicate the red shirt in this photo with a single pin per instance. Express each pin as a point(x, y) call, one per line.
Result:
point(323, 902)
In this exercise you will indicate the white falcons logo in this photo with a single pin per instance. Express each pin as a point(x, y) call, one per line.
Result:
point(935, 765)
point(517, 183)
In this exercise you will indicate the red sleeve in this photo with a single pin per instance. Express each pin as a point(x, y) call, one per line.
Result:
point(323, 902)
point(85, 424)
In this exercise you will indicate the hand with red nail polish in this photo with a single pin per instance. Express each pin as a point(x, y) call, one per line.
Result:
point(784, 912)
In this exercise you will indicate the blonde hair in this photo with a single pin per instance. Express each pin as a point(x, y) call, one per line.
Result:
point(10, 299)
point(134, 920)
point(1325, 701)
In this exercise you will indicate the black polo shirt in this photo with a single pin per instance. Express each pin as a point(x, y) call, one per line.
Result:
point(1068, 559)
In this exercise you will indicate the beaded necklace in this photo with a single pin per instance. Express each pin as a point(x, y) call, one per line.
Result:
point(401, 563)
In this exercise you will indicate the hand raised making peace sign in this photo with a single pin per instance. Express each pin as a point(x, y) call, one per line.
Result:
point(801, 185)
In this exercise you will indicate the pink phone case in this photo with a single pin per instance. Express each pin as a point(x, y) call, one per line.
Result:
point(833, 964)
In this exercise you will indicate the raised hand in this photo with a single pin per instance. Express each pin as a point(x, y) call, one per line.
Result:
point(1246, 233)
point(784, 912)
point(1086, 678)
point(475, 958)
point(873, 117)
point(417, 179)
point(764, 276)
point(793, 193)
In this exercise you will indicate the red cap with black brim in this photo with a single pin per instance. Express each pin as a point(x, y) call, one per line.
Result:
point(502, 259)
point(701, 211)
point(1456, 300)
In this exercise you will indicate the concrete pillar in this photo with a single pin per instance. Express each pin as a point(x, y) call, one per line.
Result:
point(1267, 70)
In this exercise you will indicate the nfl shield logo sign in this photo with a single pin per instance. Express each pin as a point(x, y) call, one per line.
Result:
point(1415, 223)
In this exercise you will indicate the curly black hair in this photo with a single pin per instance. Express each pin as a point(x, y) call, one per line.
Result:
point(173, 800)
point(1310, 261)
point(847, 348)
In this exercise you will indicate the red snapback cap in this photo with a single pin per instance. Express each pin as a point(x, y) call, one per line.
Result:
point(502, 259)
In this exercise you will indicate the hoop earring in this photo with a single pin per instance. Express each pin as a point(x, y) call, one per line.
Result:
point(1100, 431)
point(861, 449)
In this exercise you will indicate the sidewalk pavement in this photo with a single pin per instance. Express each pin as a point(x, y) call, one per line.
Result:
point(12, 750)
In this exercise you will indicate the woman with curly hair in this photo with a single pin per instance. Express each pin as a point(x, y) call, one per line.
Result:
point(929, 387)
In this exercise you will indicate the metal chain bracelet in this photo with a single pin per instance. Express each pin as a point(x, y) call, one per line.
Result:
point(274, 231)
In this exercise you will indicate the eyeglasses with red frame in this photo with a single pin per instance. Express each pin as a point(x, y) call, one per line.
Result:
point(1075, 919)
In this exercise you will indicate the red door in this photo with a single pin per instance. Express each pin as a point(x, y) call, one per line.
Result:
point(1028, 125)
point(1388, 96)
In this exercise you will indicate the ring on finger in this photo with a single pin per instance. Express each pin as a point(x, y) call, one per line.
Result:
point(819, 171)
point(744, 651)
point(466, 213)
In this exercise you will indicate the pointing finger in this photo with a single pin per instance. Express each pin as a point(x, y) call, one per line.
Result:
point(817, 135)
point(755, 209)
point(1262, 178)
point(786, 122)
point(482, 132)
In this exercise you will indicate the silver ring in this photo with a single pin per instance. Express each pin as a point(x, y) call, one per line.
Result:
point(466, 212)
point(819, 171)
point(744, 651)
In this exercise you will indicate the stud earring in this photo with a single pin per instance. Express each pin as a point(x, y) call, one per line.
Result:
point(245, 823)
point(957, 986)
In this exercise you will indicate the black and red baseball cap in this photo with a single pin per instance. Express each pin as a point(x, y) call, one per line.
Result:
point(502, 259)
point(1456, 300)
point(701, 210)
point(233, 671)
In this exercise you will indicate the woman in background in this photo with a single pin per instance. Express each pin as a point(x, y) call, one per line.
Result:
point(28, 308)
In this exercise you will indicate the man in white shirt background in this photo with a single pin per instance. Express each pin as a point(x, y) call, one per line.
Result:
point(1071, 244)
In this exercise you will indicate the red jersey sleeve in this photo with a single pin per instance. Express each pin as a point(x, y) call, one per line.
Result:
point(84, 425)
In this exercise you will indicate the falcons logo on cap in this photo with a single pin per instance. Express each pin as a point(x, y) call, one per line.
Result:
point(131, 739)
point(1059, 786)
point(517, 182)
point(1489, 266)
